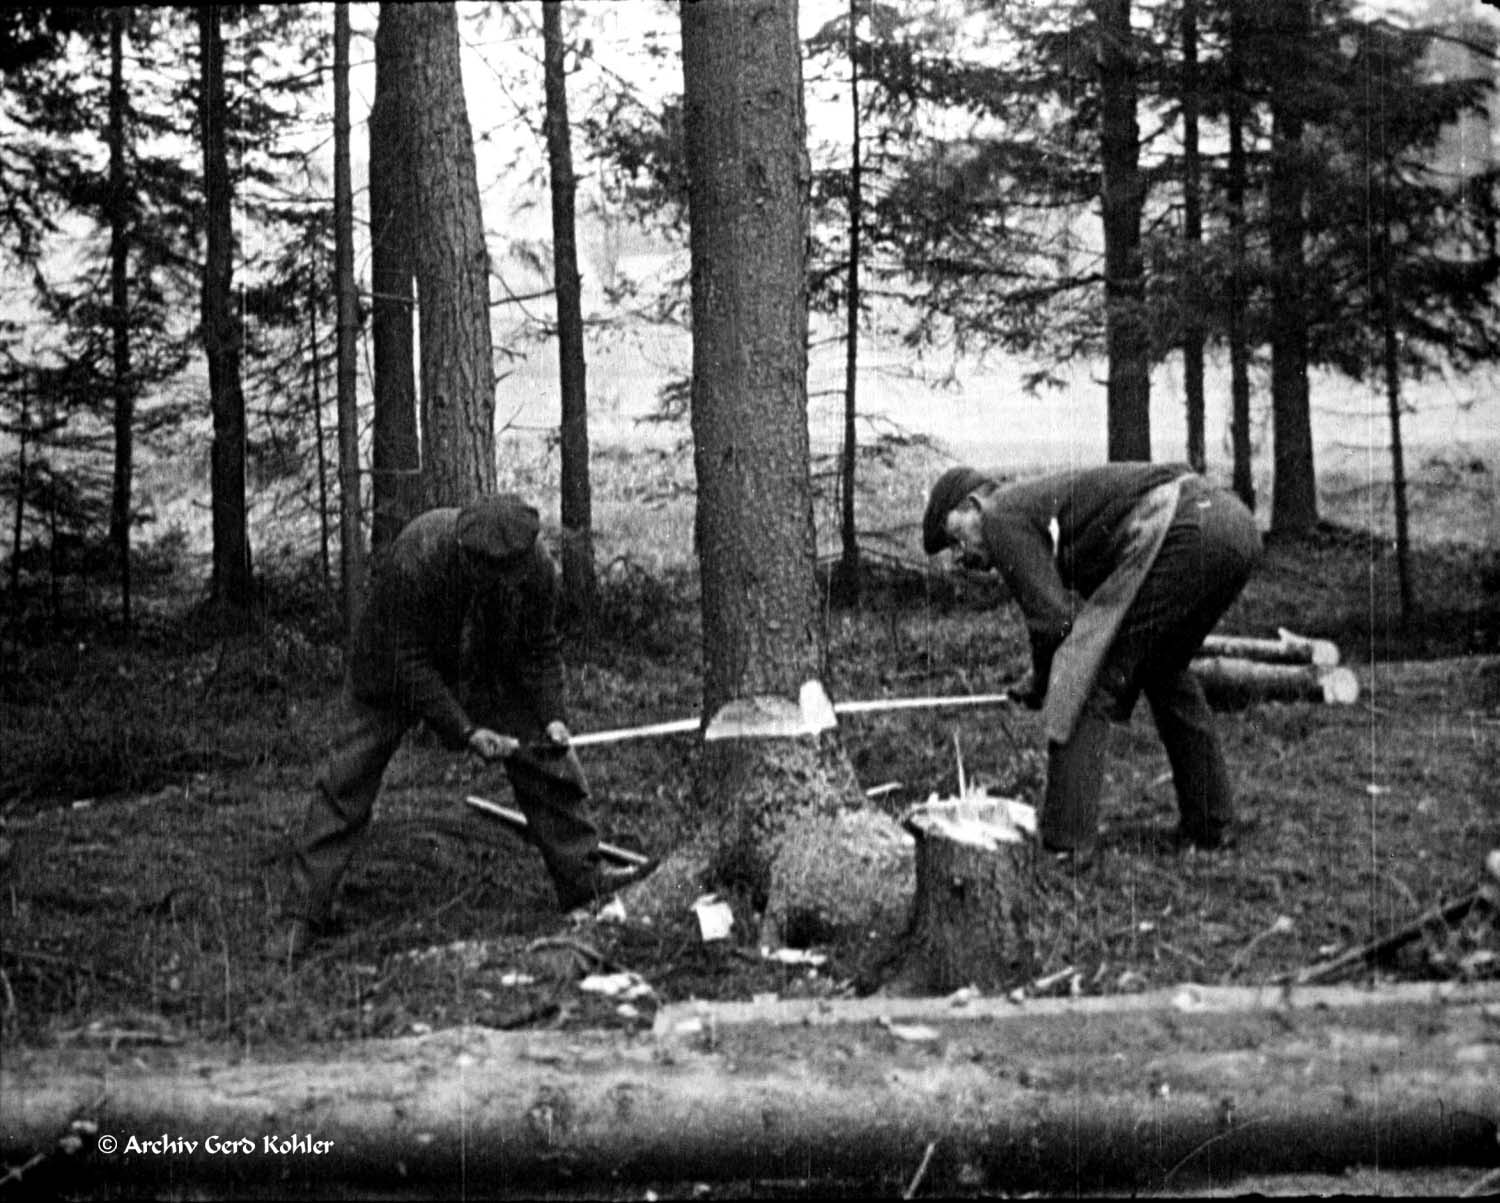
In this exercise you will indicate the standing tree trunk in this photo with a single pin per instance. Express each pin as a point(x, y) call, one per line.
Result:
point(351, 536)
point(1239, 350)
point(580, 584)
point(1294, 500)
point(748, 183)
point(397, 453)
point(221, 332)
point(322, 451)
point(451, 262)
point(119, 310)
point(848, 574)
point(1122, 192)
point(18, 519)
point(1390, 347)
point(1193, 333)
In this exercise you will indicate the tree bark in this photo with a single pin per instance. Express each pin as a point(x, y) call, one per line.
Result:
point(1151, 1093)
point(580, 584)
point(1239, 349)
point(451, 263)
point(119, 312)
point(1122, 193)
point(397, 489)
point(1294, 499)
point(221, 331)
point(351, 533)
point(1193, 332)
point(743, 120)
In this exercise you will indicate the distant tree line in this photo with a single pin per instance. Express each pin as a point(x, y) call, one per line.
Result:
point(1085, 179)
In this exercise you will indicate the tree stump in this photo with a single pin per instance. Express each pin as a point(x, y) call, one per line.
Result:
point(970, 923)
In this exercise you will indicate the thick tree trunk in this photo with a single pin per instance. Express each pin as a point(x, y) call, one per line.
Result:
point(119, 311)
point(580, 585)
point(451, 261)
point(1231, 683)
point(397, 451)
point(1294, 499)
point(1121, 193)
point(351, 534)
point(1150, 1093)
point(1239, 348)
point(743, 120)
point(221, 331)
point(1193, 332)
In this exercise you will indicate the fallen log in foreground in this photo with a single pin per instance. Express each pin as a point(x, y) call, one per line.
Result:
point(1148, 1092)
point(1230, 683)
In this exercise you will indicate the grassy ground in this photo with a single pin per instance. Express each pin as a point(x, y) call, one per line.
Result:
point(149, 786)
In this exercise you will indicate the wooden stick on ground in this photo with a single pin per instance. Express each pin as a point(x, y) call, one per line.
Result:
point(1375, 949)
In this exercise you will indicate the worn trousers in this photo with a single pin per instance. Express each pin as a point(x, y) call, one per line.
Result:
point(552, 793)
point(1208, 554)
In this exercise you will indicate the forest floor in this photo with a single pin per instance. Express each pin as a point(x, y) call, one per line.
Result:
point(150, 785)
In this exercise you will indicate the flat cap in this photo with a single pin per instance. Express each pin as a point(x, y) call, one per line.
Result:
point(951, 488)
point(500, 527)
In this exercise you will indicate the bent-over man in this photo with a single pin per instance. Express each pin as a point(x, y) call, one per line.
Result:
point(462, 597)
point(1120, 572)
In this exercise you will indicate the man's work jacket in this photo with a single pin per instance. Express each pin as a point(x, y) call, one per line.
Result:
point(409, 644)
point(1073, 549)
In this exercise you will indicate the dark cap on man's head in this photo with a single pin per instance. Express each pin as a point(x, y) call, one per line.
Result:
point(951, 488)
point(500, 528)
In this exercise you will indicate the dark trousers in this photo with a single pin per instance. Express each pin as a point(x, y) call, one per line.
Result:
point(553, 794)
point(1208, 554)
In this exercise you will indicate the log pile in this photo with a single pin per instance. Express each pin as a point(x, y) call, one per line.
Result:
point(1237, 670)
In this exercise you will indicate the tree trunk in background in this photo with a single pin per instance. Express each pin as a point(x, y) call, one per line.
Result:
point(580, 585)
point(1122, 192)
point(1239, 350)
point(351, 534)
point(451, 263)
point(848, 583)
point(322, 450)
point(1390, 357)
point(119, 313)
point(1294, 501)
point(397, 487)
point(748, 183)
point(1193, 336)
point(221, 331)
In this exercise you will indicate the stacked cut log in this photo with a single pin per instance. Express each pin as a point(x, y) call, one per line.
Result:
point(1236, 670)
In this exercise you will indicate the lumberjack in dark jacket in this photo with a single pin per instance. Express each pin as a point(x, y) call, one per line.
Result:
point(461, 609)
point(1120, 571)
